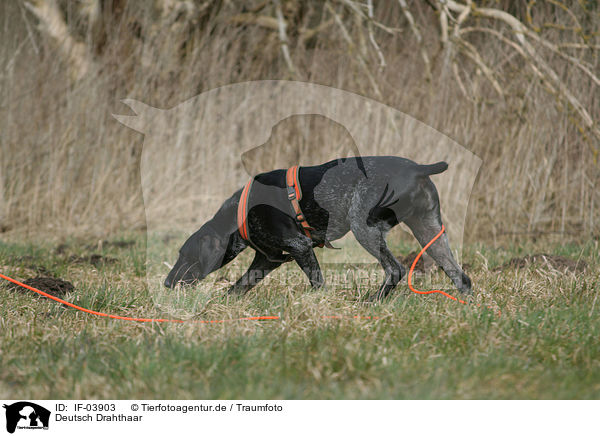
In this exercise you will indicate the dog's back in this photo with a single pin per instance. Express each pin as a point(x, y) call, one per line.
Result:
point(383, 185)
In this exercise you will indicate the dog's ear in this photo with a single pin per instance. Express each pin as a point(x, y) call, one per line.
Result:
point(200, 255)
point(211, 247)
point(205, 251)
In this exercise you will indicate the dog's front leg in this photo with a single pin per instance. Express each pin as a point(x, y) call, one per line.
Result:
point(307, 260)
point(258, 270)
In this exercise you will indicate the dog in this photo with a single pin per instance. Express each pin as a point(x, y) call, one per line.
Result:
point(365, 195)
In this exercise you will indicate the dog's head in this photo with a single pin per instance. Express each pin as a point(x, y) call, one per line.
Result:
point(200, 255)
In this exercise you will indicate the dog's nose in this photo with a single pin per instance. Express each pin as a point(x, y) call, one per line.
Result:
point(168, 282)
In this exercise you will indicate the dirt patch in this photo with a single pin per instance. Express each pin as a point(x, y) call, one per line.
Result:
point(119, 244)
point(547, 261)
point(24, 259)
point(103, 243)
point(39, 269)
point(168, 238)
point(64, 248)
point(94, 259)
point(50, 285)
point(28, 263)
point(61, 249)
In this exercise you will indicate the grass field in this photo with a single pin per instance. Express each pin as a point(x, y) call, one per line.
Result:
point(514, 83)
point(543, 344)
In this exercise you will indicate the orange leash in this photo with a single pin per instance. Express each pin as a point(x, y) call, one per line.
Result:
point(412, 268)
point(127, 318)
point(179, 321)
point(435, 291)
point(250, 318)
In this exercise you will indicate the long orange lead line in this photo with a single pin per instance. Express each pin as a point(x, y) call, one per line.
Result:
point(435, 291)
point(127, 318)
point(412, 268)
point(178, 321)
point(250, 318)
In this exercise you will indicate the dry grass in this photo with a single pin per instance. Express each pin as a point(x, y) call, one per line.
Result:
point(67, 166)
point(542, 345)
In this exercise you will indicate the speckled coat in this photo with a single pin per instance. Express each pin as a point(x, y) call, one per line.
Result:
point(365, 195)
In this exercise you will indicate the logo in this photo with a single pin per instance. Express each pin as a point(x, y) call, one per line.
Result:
point(26, 415)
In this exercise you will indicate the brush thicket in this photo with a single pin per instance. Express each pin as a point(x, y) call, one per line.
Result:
point(67, 166)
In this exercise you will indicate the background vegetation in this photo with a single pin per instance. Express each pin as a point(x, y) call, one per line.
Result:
point(514, 82)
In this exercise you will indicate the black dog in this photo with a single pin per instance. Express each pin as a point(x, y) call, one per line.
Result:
point(367, 195)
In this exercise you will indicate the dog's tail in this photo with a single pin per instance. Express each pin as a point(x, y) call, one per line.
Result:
point(436, 168)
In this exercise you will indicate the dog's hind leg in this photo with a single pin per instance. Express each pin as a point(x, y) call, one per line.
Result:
point(425, 228)
point(260, 267)
point(372, 239)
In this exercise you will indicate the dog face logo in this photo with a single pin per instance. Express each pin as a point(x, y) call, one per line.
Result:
point(26, 415)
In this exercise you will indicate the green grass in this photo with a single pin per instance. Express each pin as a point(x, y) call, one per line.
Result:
point(544, 344)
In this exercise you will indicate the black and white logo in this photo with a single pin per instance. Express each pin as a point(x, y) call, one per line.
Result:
point(26, 415)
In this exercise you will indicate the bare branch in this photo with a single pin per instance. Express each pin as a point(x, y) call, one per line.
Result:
point(282, 27)
point(472, 53)
point(521, 33)
point(444, 25)
point(355, 9)
point(258, 20)
point(361, 60)
point(382, 62)
point(92, 10)
point(52, 23)
point(417, 33)
point(459, 80)
point(28, 27)
point(306, 34)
